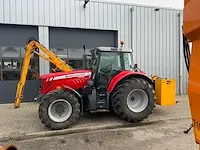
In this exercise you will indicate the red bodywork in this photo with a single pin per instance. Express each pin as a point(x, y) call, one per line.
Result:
point(78, 79)
point(75, 79)
point(122, 75)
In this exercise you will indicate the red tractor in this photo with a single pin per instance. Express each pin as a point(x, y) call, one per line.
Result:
point(110, 82)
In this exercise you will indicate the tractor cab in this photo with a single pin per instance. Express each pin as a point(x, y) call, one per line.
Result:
point(106, 63)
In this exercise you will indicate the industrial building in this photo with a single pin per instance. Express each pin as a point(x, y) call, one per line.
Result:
point(64, 26)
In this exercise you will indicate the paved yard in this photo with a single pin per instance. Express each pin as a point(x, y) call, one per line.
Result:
point(25, 120)
point(164, 135)
point(165, 123)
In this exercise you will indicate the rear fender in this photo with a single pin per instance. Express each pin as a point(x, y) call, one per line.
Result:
point(126, 75)
point(76, 94)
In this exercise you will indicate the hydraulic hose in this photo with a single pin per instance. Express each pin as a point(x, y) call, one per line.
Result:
point(186, 52)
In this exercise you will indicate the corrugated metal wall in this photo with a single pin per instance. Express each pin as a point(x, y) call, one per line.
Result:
point(184, 75)
point(69, 13)
point(156, 34)
point(158, 45)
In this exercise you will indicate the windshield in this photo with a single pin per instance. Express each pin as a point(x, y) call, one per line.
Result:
point(128, 61)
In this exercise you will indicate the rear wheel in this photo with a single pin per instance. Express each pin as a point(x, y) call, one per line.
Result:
point(59, 109)
point(133, 100)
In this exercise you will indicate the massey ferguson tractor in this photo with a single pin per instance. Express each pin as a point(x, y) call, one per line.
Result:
point(110, 82)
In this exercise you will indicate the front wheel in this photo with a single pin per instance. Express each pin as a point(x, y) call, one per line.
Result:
point(133, 100)
point(59, 109)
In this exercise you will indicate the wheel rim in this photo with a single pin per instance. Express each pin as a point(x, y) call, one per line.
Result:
point(137, 100)
point(60, 110)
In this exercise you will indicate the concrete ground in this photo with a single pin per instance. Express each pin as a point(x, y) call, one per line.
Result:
point(163, 130)
point(164, 135)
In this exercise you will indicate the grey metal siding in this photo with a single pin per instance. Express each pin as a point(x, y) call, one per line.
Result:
point(68, 13)
point(185, 79)
point(157, 44)
point(153, 35)
point(44, 39)
point(182, 65)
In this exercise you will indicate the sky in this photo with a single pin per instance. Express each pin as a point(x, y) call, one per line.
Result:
point(163, 3)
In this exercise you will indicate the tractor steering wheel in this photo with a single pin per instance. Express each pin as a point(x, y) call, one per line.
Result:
point(116, 71)
point(103, 73)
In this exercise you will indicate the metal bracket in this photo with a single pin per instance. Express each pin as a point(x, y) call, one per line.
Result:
point(132, 9)
point(85, 3)
point(156, 9)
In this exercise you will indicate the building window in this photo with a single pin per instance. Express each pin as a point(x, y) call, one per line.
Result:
point(76, 63)
point(11, 60)
point(61, 53)
point(73, 57)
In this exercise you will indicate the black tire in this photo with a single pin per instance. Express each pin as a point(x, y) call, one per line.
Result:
point(53, 96)
point(119, 99)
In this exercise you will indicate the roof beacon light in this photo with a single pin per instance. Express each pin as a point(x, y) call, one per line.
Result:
point(122, 43)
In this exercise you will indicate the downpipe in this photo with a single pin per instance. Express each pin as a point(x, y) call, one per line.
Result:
point(132, 32)
point(180, 56)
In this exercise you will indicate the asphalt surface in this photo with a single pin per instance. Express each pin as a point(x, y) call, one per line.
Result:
point(163, 130)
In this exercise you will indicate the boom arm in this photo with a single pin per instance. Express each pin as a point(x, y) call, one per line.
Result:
point(50, 56)
point(191, 27)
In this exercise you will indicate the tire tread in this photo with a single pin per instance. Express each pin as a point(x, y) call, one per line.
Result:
point(43, 110)
point(119, 94)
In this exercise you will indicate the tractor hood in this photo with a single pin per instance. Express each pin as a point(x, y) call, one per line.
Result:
point(75, 79)
point(65, 75)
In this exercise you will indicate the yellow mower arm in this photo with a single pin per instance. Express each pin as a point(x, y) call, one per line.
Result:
point(48, 55)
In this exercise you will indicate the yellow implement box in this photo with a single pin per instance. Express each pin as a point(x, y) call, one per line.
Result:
point(165, 91)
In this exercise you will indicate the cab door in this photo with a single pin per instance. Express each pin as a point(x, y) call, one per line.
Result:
point(109, 65)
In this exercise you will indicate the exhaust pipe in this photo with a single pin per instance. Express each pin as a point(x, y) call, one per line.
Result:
point(8, 147)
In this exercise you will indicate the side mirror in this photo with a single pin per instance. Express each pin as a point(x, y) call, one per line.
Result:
point(135, 66)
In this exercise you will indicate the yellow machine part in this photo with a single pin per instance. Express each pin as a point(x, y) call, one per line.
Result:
point(48, 55)
point(165, 91)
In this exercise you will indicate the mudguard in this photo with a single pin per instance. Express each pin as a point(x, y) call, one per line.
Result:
point(76, 94)
point(125, 75)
